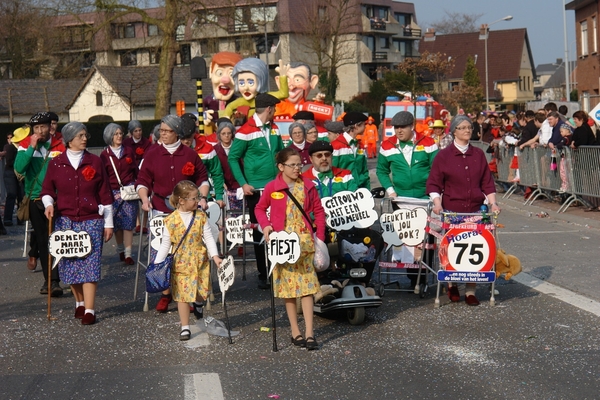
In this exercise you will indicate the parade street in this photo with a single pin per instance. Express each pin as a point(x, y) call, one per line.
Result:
point(540, 341)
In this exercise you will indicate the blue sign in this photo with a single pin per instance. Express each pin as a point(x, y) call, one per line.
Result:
point(598, 114)
point(466, 276)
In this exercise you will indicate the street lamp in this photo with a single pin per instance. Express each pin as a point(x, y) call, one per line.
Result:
point(487, 87)
point(567, 66)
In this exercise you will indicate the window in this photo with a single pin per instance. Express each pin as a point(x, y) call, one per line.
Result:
point(584, 38)
point(125, 31)
point(520, 80)
point(594, 35)
point(322, 12)
point(152, 30)
point(180, 34)
point(384, 43)
point(99, 102)
point(154, 56)
point(185, 54)
point(209, 46)
point(128, 58)
point(370, 42)
point(403, 19)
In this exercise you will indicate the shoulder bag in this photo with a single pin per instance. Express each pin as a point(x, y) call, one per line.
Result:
point(128, 192)
point(158, 275)
point(321, 258)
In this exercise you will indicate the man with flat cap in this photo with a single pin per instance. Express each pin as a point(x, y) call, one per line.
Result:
point(34, 154)
point(334, 130)
point(408, 157)
point(329, 180)
point(309, 117)
point(348, 154)
point(256, 143)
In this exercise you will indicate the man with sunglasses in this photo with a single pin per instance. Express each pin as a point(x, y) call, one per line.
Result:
point(329, 180)
point(347, 153)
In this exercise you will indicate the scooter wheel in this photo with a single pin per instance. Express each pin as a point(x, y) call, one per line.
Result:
point(422, 290)
point(356, 316)
point(381, 290)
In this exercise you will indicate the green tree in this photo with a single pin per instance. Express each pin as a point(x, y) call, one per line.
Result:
point(471, 74)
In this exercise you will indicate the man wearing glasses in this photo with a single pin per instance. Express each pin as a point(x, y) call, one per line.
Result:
point(408, 157)
point(347, 153)
point(328, 180)
point(256, 143)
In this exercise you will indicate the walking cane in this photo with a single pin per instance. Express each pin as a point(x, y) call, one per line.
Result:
point(50, 317)
point(272, 304)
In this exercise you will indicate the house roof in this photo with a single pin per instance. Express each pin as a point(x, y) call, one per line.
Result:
point(546, 69)
point(28, 96)
point(557, 79)
point(137, 85)
point(504, 50)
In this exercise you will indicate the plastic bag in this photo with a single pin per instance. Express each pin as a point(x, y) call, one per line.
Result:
point(321, 258)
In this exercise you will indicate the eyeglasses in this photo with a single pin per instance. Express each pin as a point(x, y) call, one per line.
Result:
point(119, 133)
point(321, 155)
point(82, 136)
point(166, 131)
point(293, 166)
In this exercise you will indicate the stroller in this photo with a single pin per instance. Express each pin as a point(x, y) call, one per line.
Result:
point(359, 250)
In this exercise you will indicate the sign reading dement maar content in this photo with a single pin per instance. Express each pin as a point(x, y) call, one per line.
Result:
point(346, 210)
point(69, 244)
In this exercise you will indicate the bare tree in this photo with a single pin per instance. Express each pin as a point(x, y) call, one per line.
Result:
point(456, 22)
point(21, 25)
point(329, 30)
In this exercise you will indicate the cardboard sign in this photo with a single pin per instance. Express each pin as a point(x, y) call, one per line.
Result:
point(226, 274)
point(283, 248)
point(213, 212)
point(156, 225)
point(347, 210)
point(69, 244)
point(468, 250)
point(236, 233)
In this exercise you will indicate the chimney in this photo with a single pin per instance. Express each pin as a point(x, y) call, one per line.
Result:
point(483, 31)
point(559, 61)
point(429, 35)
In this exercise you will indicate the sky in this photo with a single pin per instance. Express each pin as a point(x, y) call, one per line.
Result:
point(542, 18)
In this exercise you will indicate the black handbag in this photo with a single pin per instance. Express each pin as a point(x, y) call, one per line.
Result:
point(158, 275)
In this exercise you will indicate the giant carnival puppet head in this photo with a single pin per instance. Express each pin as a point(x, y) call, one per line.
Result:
point(300, 82)
point(250, 76)
point(221, 71)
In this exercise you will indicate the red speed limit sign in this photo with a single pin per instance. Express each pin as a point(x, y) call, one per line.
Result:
point(468, 250)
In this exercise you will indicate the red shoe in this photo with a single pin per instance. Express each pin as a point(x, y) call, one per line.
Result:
point(129, 261)
point(79, 312)
point(240, 251)
point(122, 256)
point(453, 294)
point(88, 319)
point(137, 229)
point(145, 230)
point(471, 300)
point(163, 303)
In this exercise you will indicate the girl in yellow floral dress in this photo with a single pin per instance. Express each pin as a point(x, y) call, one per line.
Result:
point(299, 280)
point(190, 273)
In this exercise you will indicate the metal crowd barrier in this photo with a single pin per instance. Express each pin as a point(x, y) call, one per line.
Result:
point(540, 169)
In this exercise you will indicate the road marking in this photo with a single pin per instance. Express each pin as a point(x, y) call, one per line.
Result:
point(202, 387)
point(533, 233)
point(562, 294)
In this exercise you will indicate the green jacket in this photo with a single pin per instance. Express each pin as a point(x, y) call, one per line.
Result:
point(344, 158)
point(33, 163)
point(251, 147)
point(407, 180)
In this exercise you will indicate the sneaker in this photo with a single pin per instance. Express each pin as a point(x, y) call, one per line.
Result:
point(44, 288)
point(163, 303)
point(56, 290)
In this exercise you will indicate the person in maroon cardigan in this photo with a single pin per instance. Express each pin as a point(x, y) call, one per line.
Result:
point(164, 166)
point(118, 159)
point(460, 181)
point(77, 191)
point(299, 143)
point(136, 141)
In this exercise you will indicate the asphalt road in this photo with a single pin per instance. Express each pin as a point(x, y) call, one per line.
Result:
point(540, 341)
